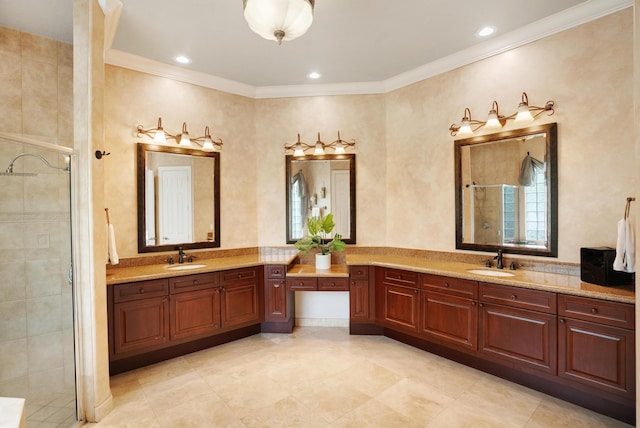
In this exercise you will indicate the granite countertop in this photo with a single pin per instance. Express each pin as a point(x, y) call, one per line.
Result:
point(117, 275)
point(567, 284)
point(310, 270)
point(553, 282)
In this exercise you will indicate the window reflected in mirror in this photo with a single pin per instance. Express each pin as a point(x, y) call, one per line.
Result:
point(506, 192)
point(317, 185)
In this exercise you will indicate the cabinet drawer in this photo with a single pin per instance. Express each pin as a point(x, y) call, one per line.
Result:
point(359, 272)
point(599, 311)
point(140, 290)
point(448, 285)
point(302, 283)
point(275, 271)
point(183, 284)
point(238, 275)
point(333, 284)
point(400, 277)
point(535, 300)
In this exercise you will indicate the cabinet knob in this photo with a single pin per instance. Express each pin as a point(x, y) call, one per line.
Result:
point(561, 320)
point(359, 272)
point(514, 297)
point(446, 284)
point(141, 290)
point(239, 276)
point(482, 305)
point(594, 310)
point(473, 303)
point(333, 284)
point(276, 285)
point(276, 271)
point(195, 282)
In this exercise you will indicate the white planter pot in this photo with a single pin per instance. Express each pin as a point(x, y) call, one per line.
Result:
point(323, 261)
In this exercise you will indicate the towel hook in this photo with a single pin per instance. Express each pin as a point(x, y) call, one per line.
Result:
point(106, 210)
point(627, 208)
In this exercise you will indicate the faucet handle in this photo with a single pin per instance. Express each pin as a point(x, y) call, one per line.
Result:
point(487, 263)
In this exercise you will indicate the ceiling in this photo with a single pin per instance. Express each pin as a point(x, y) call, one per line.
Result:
point(350, 41)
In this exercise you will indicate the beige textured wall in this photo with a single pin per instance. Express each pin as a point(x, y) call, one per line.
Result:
point(587, 70)
point(133, 98)
point(278, 121)
point(405, 179)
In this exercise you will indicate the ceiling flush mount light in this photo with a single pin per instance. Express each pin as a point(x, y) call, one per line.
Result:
point(279, 19)
point(314, 75)
point(159, 136)
point(338, 146)
point(525, 114)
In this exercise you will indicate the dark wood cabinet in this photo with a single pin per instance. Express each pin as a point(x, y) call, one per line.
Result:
point(594, 349)
point(279, 304)
point(518, 326)
point(195, 314)
point(398, 300)
point(139, 317)
point(361, 296)
point(450, 311)
point(275, 300)
point(240, 297)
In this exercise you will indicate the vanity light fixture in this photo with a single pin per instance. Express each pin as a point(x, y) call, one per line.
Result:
point(159, 136)
point(279, 20)
point(338, 146)
point(525, 113)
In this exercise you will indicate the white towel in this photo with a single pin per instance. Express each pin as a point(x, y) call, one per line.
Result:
point(112, 253)
point(315, 212)
point(625, 260)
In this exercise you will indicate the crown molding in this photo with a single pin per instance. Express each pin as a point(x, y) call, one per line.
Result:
point(572, 17)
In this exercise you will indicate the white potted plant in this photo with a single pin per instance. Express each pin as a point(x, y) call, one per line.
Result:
point(319, 230)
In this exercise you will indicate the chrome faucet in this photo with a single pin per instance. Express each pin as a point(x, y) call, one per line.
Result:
point(181, 255)
point(499, 264)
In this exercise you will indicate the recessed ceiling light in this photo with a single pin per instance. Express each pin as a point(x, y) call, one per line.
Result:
point(182, 59)
point(314, 75)
point(486, 31)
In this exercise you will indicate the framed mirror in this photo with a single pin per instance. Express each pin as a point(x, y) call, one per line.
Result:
point(507, 192)
point(178, 198)
point(317, 185)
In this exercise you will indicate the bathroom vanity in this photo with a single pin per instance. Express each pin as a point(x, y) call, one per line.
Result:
point(547, 331)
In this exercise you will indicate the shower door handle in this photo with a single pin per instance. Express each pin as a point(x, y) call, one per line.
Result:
point(70, 274)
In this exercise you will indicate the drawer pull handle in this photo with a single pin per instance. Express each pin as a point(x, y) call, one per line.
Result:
point(333, 284)
point(514, 297)
point(195, 282)
point(141, 290)
point(594, 311)
point(239, 275)
point(359, 272)
point(276, 272)
point(446, 284)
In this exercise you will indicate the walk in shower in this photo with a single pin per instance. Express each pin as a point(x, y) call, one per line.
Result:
point(37, 358)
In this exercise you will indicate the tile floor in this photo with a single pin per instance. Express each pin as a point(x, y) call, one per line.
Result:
point(322, 377)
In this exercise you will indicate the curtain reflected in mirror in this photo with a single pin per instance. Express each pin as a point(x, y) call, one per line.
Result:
point(506, 192)
point(316, 186)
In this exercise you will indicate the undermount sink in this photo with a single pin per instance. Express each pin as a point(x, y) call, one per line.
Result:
point(488, 272)
point(184, 266)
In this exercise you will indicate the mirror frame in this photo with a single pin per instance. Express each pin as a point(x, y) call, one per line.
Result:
point(551, 173)
point(351, 157)
point(142, 151)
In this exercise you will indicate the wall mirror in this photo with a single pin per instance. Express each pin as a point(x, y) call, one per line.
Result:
point(178, 198)
point(317, 185)
point(507, 192)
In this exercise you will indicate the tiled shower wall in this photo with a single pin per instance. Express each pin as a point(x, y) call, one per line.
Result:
point(36, 313)
point(36, 335)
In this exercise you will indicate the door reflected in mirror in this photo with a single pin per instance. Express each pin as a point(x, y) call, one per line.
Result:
point(317, 185)
point(506, 192)
point(178, 198)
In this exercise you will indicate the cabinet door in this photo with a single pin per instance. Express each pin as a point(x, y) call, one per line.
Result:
point(195, 314)
point(359, 300)
point(450, 319)
point(275, 300)
point(398, 307)
point(526, 338)
point(597, 355)
point(240, 304)
point(140, 325)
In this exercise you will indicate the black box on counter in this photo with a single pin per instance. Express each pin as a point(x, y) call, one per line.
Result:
point(596, 267)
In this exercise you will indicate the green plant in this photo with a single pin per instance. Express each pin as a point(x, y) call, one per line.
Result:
point(319, 229)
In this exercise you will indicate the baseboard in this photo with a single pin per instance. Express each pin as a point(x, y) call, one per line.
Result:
point(322, 322)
